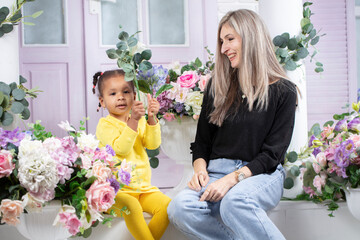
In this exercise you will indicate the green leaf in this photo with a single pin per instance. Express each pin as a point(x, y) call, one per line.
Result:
point(146, 54)
point(144, 86)
point(319, 64)
point(24, 102)
point(1, 33)
point(16, 17)
point(17, 107)
point(18, 94)
point(288, 183)
point(4, 11)
point(292, 156)
point(279, 41)
point(1, 97)
point(307, 4)
point(303, 52)
point(12, 86)
point(304, 22)
point(127, 67)
point(7, 119)
point(307, 29)
point(132, 42)
point(292, 44)
point(315, 40)
point(137, 58)
point(87, 232)
point(74, 185)
point(111, 53)
point(295, 171)
point(306, 13)
point(6, 28)
point(290, 65)
point(312, 33)
point(163, 88)
point(129, 76)
point(22, 79)
point(123, 35)
point(145, 65)
point(319, 69)
point(25, 114)
point(152, 153)
point(154, 162)
point(198, 63)
point(1, 111)
point(286, 36)
point(295, 57)
point(5, 88)
point(29, 23)
point(328, 123)
point(315, 129)
point(37, 14)
point(89, 181)
point(329, 189)
point(121, 46)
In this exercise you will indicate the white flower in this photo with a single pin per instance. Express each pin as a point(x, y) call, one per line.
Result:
point(175, 65)
point(195, 99)
point(139, 48)
point(52, 144)
point(173, 92)
point(66, 126)
point(37, 170)
point(31, 204)
point(87, 141)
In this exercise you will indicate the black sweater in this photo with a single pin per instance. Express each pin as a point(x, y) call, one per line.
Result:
point(258, 137)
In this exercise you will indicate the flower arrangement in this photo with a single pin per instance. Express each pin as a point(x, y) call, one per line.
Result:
point(36, 167)
point(181, 88)
point(334, 159)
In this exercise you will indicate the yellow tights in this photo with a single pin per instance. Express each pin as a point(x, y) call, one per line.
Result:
point(155, 203)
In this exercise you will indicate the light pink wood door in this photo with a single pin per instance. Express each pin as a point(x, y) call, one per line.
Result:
point(56, 66)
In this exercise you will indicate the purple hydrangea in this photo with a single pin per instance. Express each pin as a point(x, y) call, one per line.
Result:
point(179, 107)
point(155, 77)
point(15, 136)
point(165, 102)
point(125, 177)
point(110, 150)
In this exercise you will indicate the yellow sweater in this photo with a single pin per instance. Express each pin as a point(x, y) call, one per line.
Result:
point(130, 145)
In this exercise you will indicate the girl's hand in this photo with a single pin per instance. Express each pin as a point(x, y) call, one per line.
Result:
point(217, 190)
point(153, 106)
point(137, 110)
point(200, 177)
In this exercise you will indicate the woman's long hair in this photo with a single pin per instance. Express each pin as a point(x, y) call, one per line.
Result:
point(258, 66)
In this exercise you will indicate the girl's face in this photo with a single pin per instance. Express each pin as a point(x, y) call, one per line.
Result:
point(231, 45)
point(118, 97)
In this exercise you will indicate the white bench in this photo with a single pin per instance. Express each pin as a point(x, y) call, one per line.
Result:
point(297, 220)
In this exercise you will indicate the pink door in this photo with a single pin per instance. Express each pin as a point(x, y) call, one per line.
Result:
point(52, 59)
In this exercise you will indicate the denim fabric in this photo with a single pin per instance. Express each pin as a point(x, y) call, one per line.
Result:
point(241, 214)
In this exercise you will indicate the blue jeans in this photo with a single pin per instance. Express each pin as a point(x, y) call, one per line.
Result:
point(241, 214)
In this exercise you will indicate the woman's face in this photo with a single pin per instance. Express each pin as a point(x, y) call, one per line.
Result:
point(231, 45)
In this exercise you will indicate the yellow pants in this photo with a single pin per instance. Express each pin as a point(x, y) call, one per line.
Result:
point(155, 203)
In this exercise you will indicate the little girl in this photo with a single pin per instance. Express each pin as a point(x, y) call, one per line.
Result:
point(129, 135)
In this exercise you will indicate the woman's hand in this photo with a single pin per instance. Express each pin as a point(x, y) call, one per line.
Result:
point(217, 190)
point(200, 177)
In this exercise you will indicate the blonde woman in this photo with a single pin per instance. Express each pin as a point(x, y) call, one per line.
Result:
point(244, 130)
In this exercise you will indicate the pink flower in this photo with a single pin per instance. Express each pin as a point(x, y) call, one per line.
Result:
point(319, 181)
point(100, 196)
point(188, 79)
point(321, 159)
point(327, 133)
point(6, 164)
point(10, 211)
point(316, 167)
point(356, 139)
point(203, 81)
point(169, 116)
point(196, 117)
point(69, 220)
point(309, 191)
point(101, 171)
point(126, 166)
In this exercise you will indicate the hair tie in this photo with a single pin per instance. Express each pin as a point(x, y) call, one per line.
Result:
point(101, 73)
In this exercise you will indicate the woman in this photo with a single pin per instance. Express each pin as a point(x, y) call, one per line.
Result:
point(244, 130)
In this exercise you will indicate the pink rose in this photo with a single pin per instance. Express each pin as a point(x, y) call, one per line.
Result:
point(10, 211)
point(6, 164)
point(100, 196)
point(319, 181)
point(101, 171)
point(188, 79)
point(203, 81)
point(321, 159)
point(169, 116)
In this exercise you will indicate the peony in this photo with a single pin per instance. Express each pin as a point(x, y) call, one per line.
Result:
point(6, 164)
point(181, 95)
point(10, 211)
point(195, 99)
point(100, 196)
point(203, 81)
point(87, 140)
point(188, 79)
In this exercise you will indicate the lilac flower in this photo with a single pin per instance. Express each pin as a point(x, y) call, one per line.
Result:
point(341, 125)
point(15, 136)
point(316, 151)
point(343, 152)
point(312, 138)
point(114, 184)
point(354, 124)
point(110, 150)
point(125, 177)
point(179, 107)
point(165, 102)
